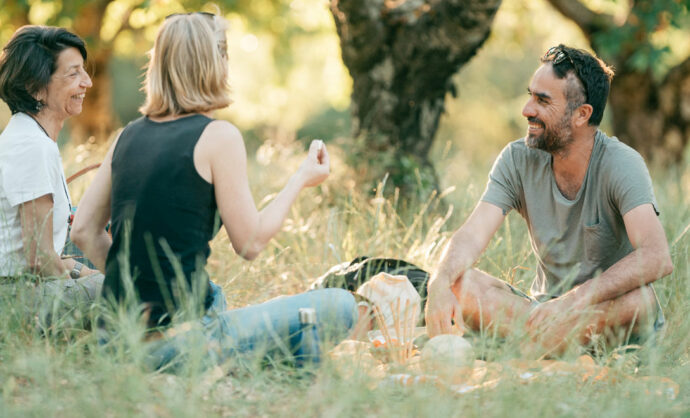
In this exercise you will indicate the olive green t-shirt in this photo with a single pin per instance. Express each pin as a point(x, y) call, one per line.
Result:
point(573, 240)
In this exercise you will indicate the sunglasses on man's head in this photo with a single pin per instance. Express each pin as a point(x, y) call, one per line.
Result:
point(557, 55)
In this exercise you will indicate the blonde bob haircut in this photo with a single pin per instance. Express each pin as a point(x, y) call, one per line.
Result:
point(188, 69)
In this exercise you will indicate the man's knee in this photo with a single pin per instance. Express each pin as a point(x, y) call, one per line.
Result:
point(640, 301)
point(635, 308)
point(647, 297)
point(475, 283)
point(645, 304)
point(466, 283)
point(471, 290)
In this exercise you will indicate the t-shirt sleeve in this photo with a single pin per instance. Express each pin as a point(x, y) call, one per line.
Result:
point(631, 182)
point(30, 173)
point(503, 185)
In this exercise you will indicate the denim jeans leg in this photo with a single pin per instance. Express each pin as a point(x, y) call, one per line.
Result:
point(267, 329)
point(61, 296)
point(272, 328)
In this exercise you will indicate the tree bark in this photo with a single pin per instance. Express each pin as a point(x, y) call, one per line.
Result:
point(401, 56)
point(96, 121)
point(650, 115)
point(653, 117)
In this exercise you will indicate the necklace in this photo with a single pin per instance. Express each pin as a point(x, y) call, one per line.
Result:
point(40, 126)
point(70, 216)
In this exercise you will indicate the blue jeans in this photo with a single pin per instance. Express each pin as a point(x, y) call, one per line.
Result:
point(270, 329)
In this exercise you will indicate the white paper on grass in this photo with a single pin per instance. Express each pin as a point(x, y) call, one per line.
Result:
point(384, 290)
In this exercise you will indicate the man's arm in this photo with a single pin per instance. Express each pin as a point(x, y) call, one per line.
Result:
point(463, 250)
point(650, 260)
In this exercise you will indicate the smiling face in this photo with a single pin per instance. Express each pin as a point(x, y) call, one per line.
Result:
point(548, 114)
point(64, 95)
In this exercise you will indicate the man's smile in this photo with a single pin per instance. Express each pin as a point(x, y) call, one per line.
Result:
point(534, 125)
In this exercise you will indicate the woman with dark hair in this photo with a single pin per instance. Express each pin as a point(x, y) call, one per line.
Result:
point(168, 180)
point(43, 81)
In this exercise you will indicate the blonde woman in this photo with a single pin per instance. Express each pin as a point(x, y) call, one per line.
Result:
point(164, 181)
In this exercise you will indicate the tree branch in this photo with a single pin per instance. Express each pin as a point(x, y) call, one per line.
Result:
point(588, 20)
point(124, 23)
point(430, 26)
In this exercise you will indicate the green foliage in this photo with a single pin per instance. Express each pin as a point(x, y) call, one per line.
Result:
point(127, 96)
point(330, 123)
point(637, 41)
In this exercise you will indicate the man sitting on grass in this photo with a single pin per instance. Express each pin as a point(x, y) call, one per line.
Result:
point(592, 217)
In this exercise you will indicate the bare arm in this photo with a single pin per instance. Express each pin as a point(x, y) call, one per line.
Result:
point(93, 213)
point(37, 234)
point(249, 229)
point(650, 260)
point(465, 247)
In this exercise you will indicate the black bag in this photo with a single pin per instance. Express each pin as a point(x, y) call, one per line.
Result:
point(351, 275)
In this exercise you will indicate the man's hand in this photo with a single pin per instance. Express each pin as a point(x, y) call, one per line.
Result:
point(542, 315)
point(565, 307)
point(463, 250)
point(551, 322)
point(441, 306)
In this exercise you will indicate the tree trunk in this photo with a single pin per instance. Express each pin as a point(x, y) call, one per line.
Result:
point(401, 56)
point(96, 120)
point(653, 117)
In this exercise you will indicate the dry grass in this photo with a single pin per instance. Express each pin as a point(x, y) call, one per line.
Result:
point(59, 376)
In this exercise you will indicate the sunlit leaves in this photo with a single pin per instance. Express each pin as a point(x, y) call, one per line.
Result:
point(113, 19)
point(42, 12)
point(643, 39)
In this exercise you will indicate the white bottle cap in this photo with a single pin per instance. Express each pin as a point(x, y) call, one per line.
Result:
point(307, 316)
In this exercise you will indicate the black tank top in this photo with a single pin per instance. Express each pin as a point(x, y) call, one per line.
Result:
point(163, 217)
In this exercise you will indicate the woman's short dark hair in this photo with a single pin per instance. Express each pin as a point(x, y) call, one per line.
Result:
point(593, 74)
point(29, 60)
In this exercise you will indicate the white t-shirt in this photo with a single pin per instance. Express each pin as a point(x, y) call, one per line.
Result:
point(30, 167)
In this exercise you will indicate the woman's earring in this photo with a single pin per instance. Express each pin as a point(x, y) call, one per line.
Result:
point(39, 105)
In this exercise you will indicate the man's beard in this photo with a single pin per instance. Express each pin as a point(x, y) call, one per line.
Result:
point(552, 139)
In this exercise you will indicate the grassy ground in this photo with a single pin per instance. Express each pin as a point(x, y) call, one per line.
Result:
point(67, 374)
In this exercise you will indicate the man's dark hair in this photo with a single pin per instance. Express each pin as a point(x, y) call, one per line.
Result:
point(591, 82)
point(29, 60)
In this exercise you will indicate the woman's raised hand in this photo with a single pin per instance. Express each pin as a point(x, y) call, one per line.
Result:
point(316, 167)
